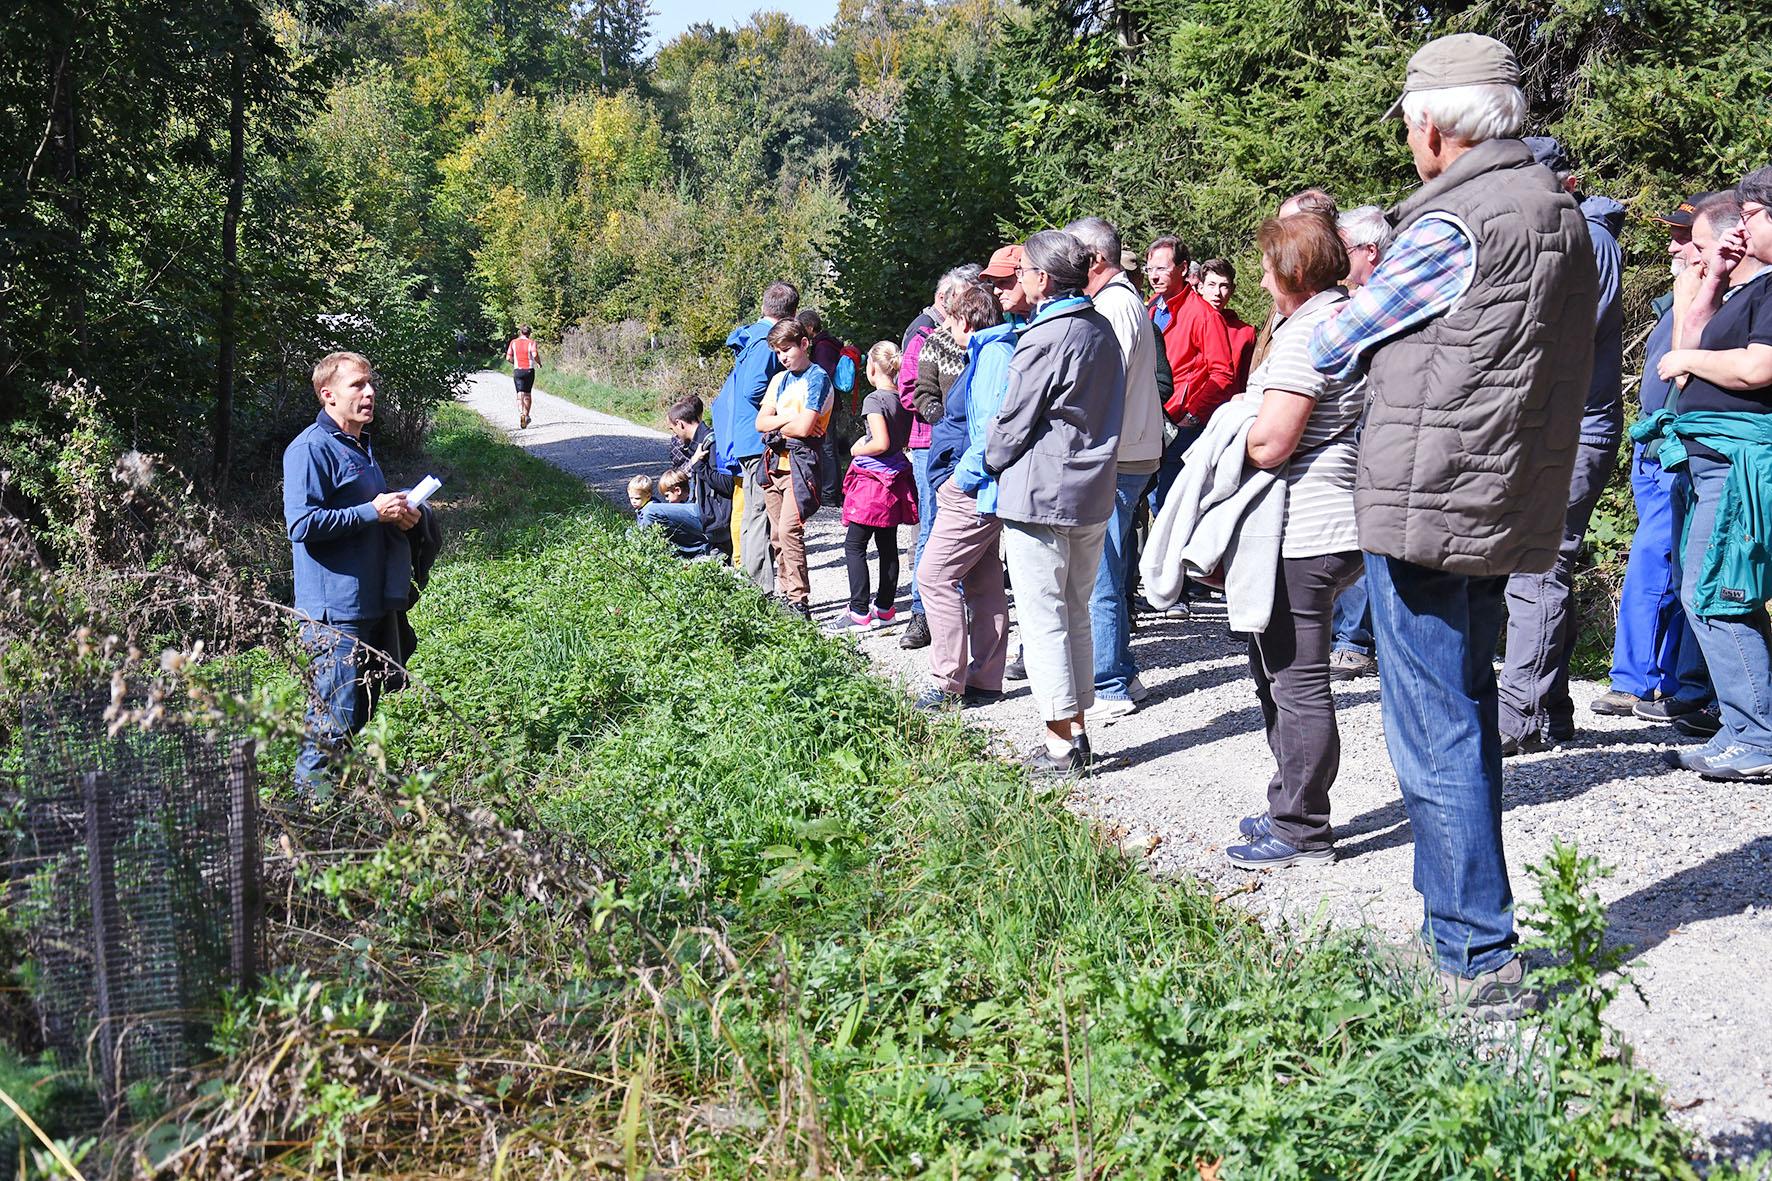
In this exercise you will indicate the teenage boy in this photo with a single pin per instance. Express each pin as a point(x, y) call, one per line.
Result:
point(710, 489)
point(795, 411)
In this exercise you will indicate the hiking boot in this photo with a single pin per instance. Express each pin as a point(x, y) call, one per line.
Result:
point(1702, 723)
point(1665, 709)
point(1108, 710)
point(1255, 827)
point(917, 634)
point(1346, 665)
point(1615, 703)
point(1520, 744)
point(975, 696)
point(1015, 670)
point(1268, 851)
point(1497, 995)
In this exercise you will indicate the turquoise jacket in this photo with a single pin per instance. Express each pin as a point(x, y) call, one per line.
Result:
point(1735, 577)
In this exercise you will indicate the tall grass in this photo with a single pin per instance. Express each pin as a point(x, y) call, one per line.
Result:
point(825, 936)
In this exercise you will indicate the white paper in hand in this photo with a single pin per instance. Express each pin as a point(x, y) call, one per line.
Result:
point(417, 497)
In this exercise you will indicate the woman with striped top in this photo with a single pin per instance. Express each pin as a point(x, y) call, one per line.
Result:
point(1307, 431)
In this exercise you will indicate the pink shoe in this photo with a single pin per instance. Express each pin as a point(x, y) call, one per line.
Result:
point(884, 617)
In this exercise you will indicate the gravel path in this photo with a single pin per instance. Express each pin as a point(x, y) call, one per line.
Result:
point(1693, 888)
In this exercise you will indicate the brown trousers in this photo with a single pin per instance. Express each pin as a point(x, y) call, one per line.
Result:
point(787, 538)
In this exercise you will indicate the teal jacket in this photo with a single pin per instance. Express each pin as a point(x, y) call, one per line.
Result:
point(1735, 577)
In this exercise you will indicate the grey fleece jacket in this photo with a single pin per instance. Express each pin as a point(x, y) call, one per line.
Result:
point(1223, 513)
point(1053, 445)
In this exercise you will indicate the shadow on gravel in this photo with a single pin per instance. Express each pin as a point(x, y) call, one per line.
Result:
point(1238, 721)
point(618, 458)
point(1744, 1144)
point(1723, 886)
point(1565, 775)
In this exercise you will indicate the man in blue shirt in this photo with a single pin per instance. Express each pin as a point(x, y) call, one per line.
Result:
point(738, 447)
point(353, 561)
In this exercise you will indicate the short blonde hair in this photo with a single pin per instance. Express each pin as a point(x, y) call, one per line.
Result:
point(672, 480)
point(640, 486)
point(328, 366)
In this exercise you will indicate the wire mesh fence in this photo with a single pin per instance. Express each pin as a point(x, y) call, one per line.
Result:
point(135, 880)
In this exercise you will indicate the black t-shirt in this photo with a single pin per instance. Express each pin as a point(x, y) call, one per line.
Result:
point(1745, 318)
point(898, 419)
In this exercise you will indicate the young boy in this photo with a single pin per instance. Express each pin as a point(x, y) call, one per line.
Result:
point(710, 490)
point(679, 521)
point(792, 419)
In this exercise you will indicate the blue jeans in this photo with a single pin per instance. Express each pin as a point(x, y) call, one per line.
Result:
point(1654, 651)
point(1436, 640)
point(925, 520)
point(1353, 619)
point(1110, 616)
point(339, 703)
point(1171, 468)
point(1735, 648)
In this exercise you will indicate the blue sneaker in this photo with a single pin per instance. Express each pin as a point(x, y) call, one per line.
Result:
point(1255, 827)
point(1734, 762)
point(1270, 852)
point(936, 700)
point(1693, 758)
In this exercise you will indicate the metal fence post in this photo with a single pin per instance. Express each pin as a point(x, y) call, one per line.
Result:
point(244, 858)
point(102, 886)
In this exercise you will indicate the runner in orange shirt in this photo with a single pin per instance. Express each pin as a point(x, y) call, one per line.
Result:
point(523, 355)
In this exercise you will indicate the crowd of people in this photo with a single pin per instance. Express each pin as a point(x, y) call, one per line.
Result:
point(1402, 460)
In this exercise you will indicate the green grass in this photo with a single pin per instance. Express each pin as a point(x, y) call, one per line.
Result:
point(838, 937)
point(646, 407)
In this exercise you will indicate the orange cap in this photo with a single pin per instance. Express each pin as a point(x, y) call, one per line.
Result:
point(1004, 262)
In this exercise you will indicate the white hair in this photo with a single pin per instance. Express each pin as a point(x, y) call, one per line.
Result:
point(1469, 114)
point(1366, 225)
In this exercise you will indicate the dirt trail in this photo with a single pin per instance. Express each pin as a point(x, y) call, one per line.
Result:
point(1693, 887)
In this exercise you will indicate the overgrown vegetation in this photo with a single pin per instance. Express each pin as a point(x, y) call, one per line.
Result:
point(649, 877)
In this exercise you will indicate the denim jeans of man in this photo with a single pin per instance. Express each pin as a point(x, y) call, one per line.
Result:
point(1184, 438)
point(925, 520)
point(1735, 647)
point(1436, 637)
point(1541, 619)
point(1353, 618)
point(1654, 652)
point(1110, 614)
point(340, 702)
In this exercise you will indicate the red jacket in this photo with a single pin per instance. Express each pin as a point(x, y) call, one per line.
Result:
point(1199, 350)
point(1242, 349)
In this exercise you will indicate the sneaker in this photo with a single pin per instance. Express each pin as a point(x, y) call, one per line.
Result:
point(975, 696)
point(889, 615)
point(850, 623)
point(917, 634)
point(1075, 765)
point(1665, 709)
point(1268, 851)
point(1692, 758)
point(1255, 827)
point(1136, 690)
point(933, 700)
point(803, 610)
point(1732, 762)
point(1345, 665)
point(1015, 670)
point(1616, 703)
point(1702, 723)
point(1108, 710)
point(522, 422)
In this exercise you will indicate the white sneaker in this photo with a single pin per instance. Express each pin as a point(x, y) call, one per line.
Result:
point(1108, 710)
point(1136, 690)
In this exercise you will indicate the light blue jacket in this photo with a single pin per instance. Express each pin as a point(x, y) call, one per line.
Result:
point(987, 373)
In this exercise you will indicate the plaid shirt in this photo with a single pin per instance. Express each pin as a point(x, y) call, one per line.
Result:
point(1422, 275)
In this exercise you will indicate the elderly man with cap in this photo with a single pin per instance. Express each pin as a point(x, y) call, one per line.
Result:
point(1536, 709)
point(1477, 333)
point(1657, 667)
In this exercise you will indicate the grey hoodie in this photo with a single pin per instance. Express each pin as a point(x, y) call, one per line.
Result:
point(1053, 445)
point(1602, 416)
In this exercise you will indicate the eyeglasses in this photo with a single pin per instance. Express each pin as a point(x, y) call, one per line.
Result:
point(1020, 270)
point(1749, 212)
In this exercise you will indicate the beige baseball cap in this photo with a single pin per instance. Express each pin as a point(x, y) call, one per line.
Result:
point(1463, 59)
